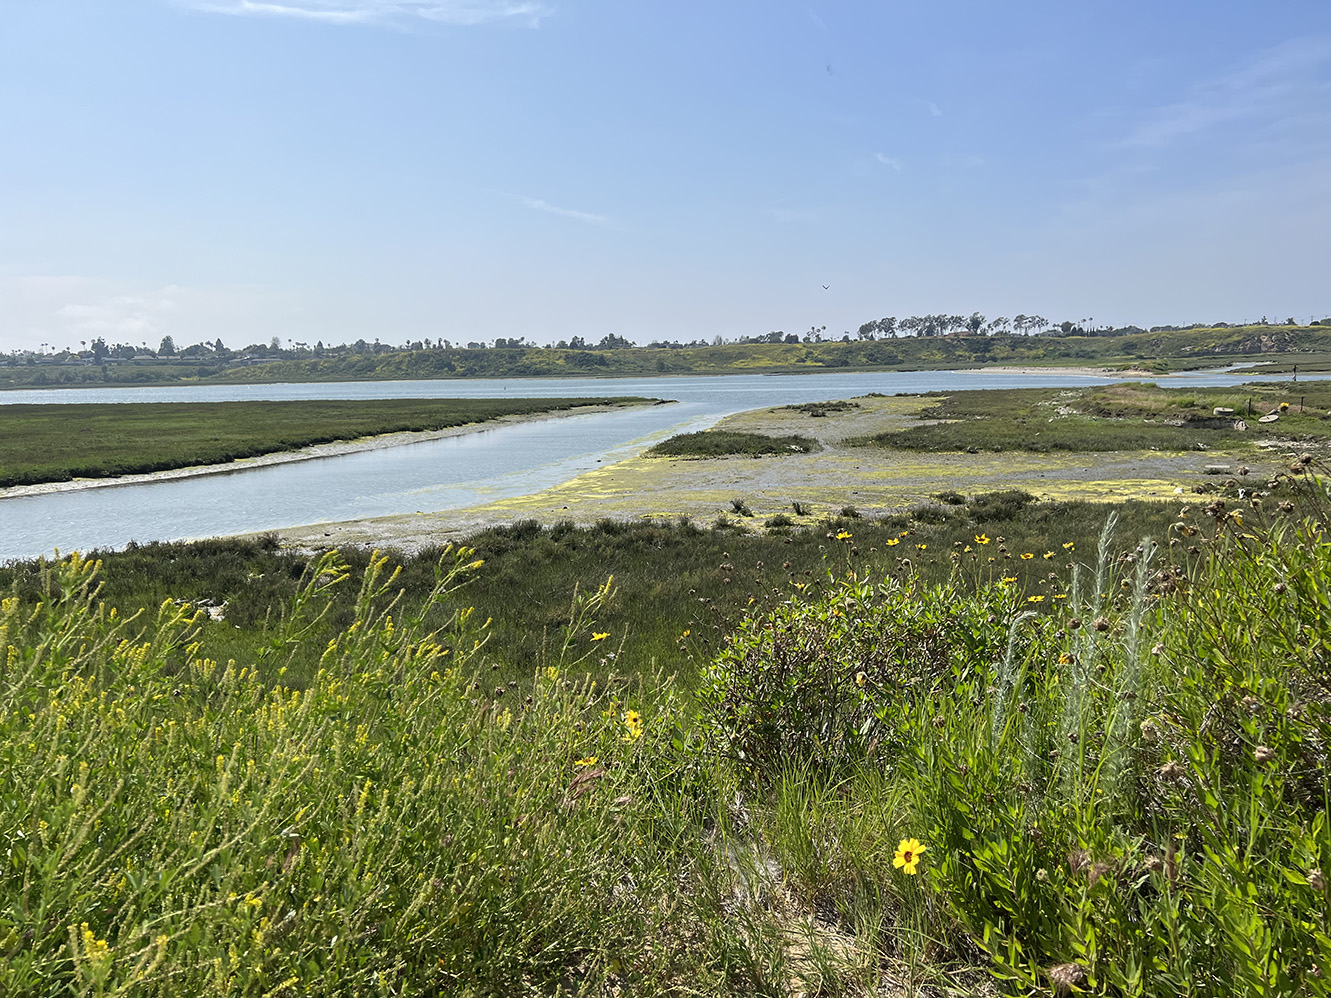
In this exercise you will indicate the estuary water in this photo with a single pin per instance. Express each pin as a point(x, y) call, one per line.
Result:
point(451, 473)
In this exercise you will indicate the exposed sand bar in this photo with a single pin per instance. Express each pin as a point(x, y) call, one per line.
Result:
point(310, 453)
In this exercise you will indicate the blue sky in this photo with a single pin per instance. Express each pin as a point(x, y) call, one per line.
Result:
point(466, 169)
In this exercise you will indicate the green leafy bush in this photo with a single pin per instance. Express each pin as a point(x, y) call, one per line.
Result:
point(813, 684)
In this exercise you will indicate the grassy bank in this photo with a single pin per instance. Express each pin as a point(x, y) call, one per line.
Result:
point(56, 443)
point(1119, 418)
point(890, 783)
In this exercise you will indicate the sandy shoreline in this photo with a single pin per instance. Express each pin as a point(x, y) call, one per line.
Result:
point(311, 453)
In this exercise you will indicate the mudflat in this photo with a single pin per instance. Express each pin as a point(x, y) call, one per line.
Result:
point(845, 472)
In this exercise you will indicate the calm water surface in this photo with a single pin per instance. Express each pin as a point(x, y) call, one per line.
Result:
point(438, 475)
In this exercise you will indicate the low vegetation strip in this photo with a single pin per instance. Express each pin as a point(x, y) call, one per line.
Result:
point(56, 443)
point(1116, 785)
point(682, 587)
point(721, 443)
point(1118, 418)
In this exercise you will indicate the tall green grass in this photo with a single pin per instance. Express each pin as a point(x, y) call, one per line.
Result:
point(1120, 791)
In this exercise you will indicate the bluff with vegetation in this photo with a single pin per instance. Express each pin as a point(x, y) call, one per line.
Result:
point(1160, 349)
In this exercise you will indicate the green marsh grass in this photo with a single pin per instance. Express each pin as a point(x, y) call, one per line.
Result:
point(721, 443)
point(670, 577)
point(1122, 417)
point(56, 443)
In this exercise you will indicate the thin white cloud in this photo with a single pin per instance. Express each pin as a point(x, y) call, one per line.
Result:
point(891, 161)
point(65, 310)
point(461, 12)
point(813, 16)
point(1281, 87)
point(581, 216)
point(934, 109)
point(784, 214)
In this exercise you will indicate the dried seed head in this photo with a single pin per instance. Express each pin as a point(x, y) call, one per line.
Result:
point(1097, 871)
point(1065, 977)
point(1171, 770)
point(1251, 704)
point(1150, 732)
point(1264, 754)
point(1315, 880)
point(1101, 624)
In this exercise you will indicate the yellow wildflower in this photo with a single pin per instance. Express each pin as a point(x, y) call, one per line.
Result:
point(586, 760)
point(600, 635)
point(1026, 556)
point(981, 538)
point(907, 856)
point(633, 722)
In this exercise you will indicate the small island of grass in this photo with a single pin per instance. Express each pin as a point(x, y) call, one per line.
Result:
point(723, 443)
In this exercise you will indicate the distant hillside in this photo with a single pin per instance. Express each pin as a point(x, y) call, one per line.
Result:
point(1162, 350)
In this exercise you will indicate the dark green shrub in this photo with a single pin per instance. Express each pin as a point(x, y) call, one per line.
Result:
point(811, 684)
point(930, 514)
point(1002, 505)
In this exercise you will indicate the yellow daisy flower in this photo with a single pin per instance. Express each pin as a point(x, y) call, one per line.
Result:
point(907, 856)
